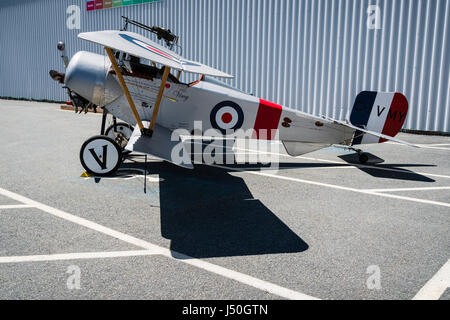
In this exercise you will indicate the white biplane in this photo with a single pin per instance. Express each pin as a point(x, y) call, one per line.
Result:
point(153, 103)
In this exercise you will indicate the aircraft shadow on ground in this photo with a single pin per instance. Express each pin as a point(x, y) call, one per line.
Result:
point(396, 171)
point(208, 212)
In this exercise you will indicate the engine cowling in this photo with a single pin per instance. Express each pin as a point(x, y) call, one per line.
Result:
point(88, 75)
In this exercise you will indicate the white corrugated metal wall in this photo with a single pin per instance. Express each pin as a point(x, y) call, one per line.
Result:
point(312, 55)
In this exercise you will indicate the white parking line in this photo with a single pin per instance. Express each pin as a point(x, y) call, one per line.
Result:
point(76, 256)
point(424, 146)
point(407, 189)
point(393, 196)
point(350, 165)
point(319, 168)
point(438, 144)
point(228, 273)
point(436, 148)
point(15, 206)
point(436, 286)
point(378, 168)
point(321, 184)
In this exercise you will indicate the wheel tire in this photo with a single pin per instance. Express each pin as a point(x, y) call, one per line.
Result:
point(124, 131)
point(103, 147)
point(363, 158)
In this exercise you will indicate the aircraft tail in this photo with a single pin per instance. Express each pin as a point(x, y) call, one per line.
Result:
point(379, 115)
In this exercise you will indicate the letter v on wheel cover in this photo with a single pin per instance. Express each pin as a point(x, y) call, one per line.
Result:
point(100, 156)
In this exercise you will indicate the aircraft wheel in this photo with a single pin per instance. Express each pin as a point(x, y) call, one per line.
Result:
point(122, 133)
point(363, 158)
point(100, 156)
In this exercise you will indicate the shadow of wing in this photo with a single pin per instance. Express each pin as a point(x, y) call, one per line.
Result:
point(210, 213)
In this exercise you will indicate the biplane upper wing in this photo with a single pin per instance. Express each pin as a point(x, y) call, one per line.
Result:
point(142, 47)
point(195, 67)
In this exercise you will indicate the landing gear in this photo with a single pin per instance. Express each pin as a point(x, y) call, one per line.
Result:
point(363, 157)
point(101, 156)
point(120, 132)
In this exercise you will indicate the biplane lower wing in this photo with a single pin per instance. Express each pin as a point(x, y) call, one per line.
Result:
point(161, 145)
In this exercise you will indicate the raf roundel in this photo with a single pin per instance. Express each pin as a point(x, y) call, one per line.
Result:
point(227, 116)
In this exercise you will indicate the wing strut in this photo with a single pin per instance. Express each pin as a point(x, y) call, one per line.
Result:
point(125, 90)
point(159, 98)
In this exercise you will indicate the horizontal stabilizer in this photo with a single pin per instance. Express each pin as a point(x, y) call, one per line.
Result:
point(160, 145)
point(375, 134)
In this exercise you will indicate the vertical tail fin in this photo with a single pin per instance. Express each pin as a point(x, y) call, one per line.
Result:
point(380, 112)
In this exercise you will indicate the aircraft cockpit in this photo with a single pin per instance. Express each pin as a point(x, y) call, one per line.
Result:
point(141, 68)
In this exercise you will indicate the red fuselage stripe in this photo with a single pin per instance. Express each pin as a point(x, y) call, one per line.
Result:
point(267, 120)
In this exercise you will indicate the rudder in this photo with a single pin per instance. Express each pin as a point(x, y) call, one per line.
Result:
point(380, 112)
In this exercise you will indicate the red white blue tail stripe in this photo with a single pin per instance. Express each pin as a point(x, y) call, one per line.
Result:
point(380, 112)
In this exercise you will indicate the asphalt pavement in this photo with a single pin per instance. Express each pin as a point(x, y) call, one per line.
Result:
point(317, 226)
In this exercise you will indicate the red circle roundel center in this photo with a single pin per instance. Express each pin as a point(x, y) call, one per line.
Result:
point(227, 117)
